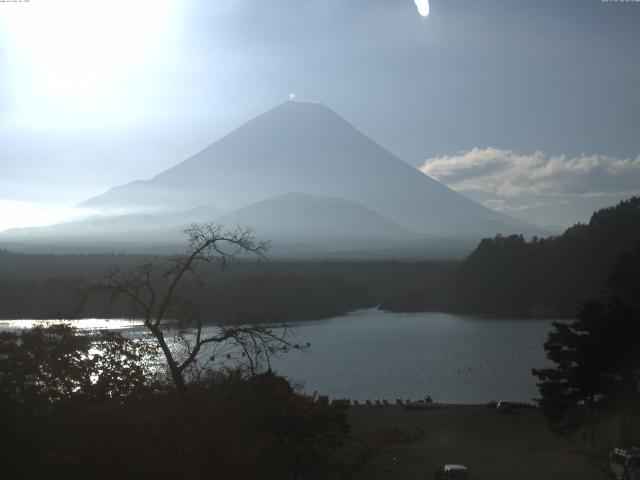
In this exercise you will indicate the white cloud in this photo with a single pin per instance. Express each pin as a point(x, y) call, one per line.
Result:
point(519, 183)
point(509, 175)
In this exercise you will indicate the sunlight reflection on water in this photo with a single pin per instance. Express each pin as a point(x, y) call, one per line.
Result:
point(83, 324)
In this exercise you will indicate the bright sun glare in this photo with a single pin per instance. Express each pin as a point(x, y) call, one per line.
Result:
point(70, 49)
point(423, 7)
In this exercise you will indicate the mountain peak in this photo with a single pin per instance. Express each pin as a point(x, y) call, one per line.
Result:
point(307, 147)
point(304, 103)
point(297, 111)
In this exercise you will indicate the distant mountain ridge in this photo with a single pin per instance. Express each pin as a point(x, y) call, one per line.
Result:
point(307, 147)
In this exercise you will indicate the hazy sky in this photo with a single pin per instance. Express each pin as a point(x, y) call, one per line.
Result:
point(531, 107)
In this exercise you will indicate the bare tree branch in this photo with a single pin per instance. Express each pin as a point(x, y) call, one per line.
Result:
point(155, 288)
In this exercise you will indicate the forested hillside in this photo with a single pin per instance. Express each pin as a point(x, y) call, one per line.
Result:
point(548, 277)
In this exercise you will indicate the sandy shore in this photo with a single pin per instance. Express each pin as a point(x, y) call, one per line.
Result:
point(494, 446)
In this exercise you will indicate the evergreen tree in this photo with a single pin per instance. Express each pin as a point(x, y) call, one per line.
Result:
point(596, 377)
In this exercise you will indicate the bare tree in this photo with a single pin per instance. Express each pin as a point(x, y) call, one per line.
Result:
point(161, 289)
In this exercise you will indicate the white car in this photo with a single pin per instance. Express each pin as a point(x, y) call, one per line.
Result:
point(452, 472)
point(625, 463)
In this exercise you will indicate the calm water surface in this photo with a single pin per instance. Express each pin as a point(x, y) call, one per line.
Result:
point(370, 354)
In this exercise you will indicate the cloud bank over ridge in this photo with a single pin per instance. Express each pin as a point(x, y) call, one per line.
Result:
point(513, 182)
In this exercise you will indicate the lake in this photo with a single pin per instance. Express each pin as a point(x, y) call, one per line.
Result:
point(371, 354)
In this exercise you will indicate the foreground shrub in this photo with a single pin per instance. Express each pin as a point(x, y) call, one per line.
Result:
point(67, 411)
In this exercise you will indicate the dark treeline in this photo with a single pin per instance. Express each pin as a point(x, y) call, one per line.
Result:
point(50, 286)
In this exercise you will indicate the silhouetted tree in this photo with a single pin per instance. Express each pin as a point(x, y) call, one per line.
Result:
point(596, 376)
point(163, 291)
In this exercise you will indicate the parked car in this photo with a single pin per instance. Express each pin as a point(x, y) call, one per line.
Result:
point(452, 472)
point(504, 407)
point(625, 463)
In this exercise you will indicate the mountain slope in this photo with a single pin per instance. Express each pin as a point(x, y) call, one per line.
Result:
point(307, 147)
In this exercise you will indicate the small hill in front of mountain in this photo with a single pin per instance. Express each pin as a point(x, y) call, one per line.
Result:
point(304, 216)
